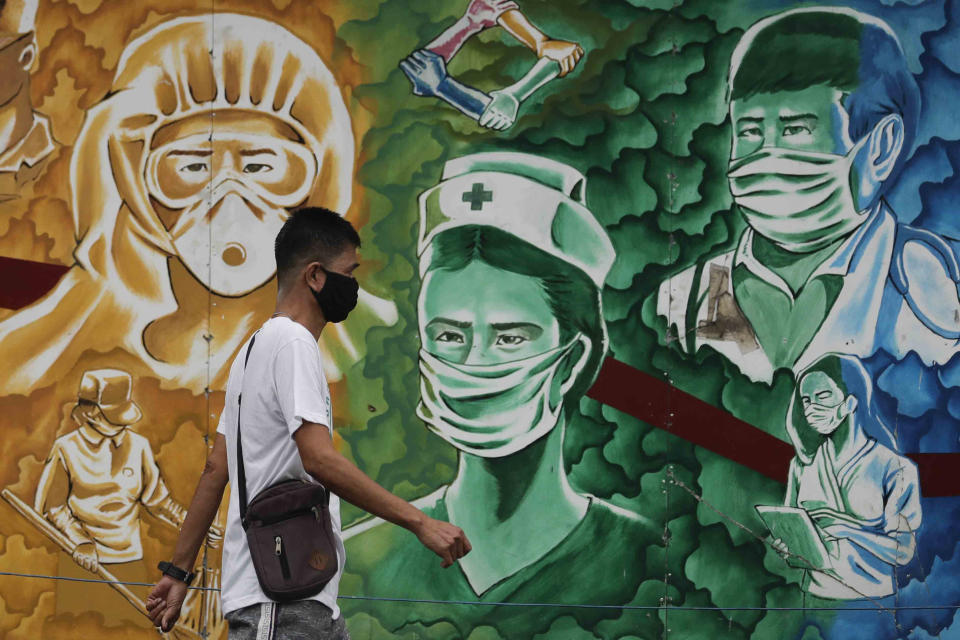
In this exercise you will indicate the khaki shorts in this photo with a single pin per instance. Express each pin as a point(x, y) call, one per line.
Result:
point(299, 620)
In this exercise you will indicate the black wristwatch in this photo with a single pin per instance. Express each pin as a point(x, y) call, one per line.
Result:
point(175, 572)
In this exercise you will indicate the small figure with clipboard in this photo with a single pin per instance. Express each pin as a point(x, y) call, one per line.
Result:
point(852, 506)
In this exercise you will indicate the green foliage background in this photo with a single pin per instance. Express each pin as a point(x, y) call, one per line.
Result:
point(643, 116)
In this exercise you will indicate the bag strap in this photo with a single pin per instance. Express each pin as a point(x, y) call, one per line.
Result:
point(241, 474)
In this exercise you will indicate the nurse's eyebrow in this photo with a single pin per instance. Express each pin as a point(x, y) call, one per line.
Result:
point(257, 152)
point(203, 153)
point(453, 323)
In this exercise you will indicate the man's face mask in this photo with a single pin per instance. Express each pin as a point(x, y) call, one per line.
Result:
point(801, 200)
point(338, 297)
point(824, 405)
point(233, 196)
point(495, 410)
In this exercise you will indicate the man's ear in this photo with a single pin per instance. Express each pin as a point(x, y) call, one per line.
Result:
point(28, 55)
point(886, 145)
point(315, 276)
point(879, 157)
point(850, 405)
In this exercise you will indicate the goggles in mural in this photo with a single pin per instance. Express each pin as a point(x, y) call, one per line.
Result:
point(185, 172)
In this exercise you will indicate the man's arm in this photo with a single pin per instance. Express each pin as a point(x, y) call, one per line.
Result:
point(203, 508)
point(322, 461)
point(166, 598)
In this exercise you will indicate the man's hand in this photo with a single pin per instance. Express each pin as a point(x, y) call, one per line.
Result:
point(501, 113)
point(165, 601)
point(426, 71)
point(564, 53)
point(444, 539)
point(86, 556)
point(483, 14)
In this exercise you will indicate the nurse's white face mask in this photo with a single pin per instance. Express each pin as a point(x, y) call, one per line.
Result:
point(494, 410)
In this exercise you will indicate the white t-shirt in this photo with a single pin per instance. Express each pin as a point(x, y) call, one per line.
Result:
point(283, 386)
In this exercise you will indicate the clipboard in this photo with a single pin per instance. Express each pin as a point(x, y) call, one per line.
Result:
point(796, 529)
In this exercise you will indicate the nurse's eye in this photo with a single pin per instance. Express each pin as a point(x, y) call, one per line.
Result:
point(752, 132)
point(450, 337)
point(256, 167)
point(509, 340)
point(194, 167)
point(823, 395)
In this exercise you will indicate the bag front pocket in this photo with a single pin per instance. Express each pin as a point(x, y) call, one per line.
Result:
point(294, 558)
point(281, 554)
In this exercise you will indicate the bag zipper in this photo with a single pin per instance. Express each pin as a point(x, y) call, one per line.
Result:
point(278, 551)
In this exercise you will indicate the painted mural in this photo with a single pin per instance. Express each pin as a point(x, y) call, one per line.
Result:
point(660, 303)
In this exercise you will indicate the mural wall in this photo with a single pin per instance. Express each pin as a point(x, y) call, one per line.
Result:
point(660, 302)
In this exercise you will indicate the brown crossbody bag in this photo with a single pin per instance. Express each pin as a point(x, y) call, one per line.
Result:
point(289, 531)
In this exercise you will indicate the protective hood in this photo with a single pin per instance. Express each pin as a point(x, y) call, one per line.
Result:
point(169, 74)
point(221, 65)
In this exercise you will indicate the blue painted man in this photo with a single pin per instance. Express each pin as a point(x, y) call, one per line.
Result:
point(824, 112)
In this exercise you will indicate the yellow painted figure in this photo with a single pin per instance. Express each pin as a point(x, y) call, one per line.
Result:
point(98, 476)
point(181, 177)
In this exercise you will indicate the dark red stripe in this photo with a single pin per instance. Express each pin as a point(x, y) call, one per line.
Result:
point(658, 403)
point(25, 281)
point(939, 473)
point(619, 385)
point(662, 405)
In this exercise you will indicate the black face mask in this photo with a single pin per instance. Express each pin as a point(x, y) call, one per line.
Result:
point(338, 296)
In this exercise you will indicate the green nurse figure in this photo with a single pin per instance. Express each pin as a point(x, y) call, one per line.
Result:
point(512, 264)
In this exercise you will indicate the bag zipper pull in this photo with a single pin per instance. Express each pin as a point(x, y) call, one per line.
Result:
point(279, 548)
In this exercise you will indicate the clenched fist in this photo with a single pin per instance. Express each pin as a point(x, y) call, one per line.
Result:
point(444, 539)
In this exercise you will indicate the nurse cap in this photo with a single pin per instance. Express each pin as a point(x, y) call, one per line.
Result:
point(537, 200)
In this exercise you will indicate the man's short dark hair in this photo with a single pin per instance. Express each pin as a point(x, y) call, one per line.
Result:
point(312, 234)
point(849, 51)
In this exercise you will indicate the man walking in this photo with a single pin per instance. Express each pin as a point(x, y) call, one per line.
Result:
point(287, 435)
